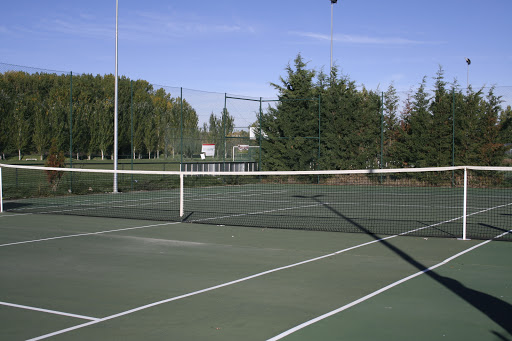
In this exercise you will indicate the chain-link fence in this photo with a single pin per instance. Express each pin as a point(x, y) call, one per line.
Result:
point(161, 127)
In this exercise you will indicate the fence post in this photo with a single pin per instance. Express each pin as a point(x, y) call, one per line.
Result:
point(224, 118)
point(319, 129)
point(453, 136)
point(181, 127)
point(259, 134)
point(71, 130)
point(381, 133)
point(132, 151)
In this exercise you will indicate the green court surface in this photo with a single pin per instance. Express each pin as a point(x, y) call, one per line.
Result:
point(91, 278)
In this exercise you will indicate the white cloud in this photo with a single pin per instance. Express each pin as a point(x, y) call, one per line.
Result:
point(135, 26)
point(79, 27)
point(181, 25)
point(360, 39)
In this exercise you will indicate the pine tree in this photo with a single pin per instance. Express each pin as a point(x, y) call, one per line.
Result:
point(391, 125)
point(419, 141)
point(492, 151)
point(441, 131)
point(468, 112)
point(339, 120)
point(505, 124)
point(290, 129)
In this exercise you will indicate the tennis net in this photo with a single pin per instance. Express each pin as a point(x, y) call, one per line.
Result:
point(457, 202)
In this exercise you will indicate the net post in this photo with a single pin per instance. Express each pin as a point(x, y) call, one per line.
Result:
point(181, 195)
point(1, 193)
point(465, 206)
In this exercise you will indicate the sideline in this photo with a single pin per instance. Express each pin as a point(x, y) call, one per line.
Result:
point(87, 234)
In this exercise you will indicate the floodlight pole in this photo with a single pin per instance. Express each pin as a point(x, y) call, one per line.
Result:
point(332, 24)
point(115, 190)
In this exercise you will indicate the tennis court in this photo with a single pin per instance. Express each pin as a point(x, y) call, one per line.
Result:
point(256, 259)
point(127, 279)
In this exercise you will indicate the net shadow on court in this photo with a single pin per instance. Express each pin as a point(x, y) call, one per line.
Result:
point(497, 310)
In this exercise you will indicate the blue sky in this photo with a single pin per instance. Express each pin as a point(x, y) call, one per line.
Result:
point(240, 47)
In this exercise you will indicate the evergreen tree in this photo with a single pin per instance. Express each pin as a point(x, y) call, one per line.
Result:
point(339, 105)
point(505, 123)
point(441, 136)
point(391, 125)
point(290, 130)
point(419, 139)
point(492, 151)
point(401, 149)
point(468, 113)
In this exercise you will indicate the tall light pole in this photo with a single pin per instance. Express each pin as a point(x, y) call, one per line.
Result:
point(115, 108)
point(468, 61)
point(332, 20)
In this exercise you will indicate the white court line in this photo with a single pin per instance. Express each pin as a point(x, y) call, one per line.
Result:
point(255, 213)
point(87, 234)
point(375, 293)
point(13, 214)
point(86, 209)
point(109, 202)
point(49, 311)
point(89, 202)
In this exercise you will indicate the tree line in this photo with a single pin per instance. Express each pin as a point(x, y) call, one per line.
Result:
point(78, 111)
point(321, 121)
point(356, 128)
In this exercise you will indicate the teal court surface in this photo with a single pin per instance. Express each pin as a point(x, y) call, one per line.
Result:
point(69, 277)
